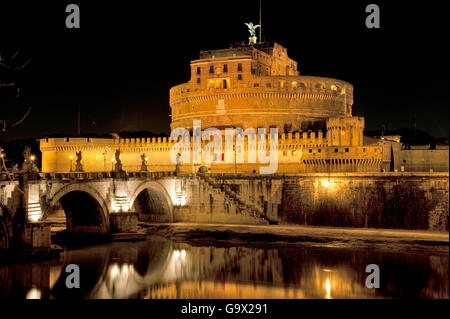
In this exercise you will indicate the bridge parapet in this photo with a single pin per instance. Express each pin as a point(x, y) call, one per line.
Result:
point(101, 175)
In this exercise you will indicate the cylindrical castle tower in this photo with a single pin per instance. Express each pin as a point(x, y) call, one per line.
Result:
point(256, 86)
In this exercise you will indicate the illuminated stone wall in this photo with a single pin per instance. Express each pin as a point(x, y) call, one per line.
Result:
point(379, 200)
point(297, 152)
point(421, 160)
point(375, 200)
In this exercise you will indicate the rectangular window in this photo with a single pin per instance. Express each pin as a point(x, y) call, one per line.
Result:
point(225, 68)
point(346, 150)
point(198, 80)
point(239, 67)
point(335, 150)
point(224, 84)
point(211, 69)
point(256, 85)
point(319, 150)
point(198, 70)
point(239, 76)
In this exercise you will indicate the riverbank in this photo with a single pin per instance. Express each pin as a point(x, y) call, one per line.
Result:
point(282, 235)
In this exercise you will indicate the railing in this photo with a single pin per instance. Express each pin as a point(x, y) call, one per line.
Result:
point(7, 176)
point(101, 175)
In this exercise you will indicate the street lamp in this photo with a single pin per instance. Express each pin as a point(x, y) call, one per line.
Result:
point(71, 158)
point(32, 158)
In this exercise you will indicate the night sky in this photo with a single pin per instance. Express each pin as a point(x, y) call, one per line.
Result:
point(120, 64)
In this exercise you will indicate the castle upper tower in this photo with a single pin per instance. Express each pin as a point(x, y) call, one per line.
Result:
point(255, 86)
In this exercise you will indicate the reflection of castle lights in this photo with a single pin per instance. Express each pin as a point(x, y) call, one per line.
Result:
point(116, 271)
point(328, 288)
point(179, 254)
point(34, 293)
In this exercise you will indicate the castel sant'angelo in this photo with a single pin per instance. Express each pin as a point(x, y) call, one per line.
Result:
point(249, 87)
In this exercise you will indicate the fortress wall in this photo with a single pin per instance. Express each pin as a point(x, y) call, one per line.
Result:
point(422, 160)
point(294, 149)
point(379, 200)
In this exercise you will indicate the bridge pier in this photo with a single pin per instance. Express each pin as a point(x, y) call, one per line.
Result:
point(36, 236)
point(124, 226)
point(124, 222)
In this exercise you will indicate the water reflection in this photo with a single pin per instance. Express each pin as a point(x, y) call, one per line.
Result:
point(34, 293)
point(160, 268)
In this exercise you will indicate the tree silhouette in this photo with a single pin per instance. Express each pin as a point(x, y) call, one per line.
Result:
point(11, 66)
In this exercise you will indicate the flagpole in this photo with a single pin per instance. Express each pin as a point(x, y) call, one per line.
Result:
point(260, 23)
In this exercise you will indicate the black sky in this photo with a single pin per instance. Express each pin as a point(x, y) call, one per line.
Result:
point(120, 64)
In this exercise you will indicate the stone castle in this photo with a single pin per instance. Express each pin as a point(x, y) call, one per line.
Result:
point(244, 86)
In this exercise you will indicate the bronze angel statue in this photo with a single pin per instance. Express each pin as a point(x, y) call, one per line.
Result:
point(252, 28)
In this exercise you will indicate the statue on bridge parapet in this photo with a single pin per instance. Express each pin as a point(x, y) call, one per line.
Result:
point(78, 165)
point(118, 166)
point(144, 162)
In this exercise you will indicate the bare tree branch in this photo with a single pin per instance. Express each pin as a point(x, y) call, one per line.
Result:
point(7, 84)
point(10, 58)
point(15, 68)
point(23, 118)
point(3, 123)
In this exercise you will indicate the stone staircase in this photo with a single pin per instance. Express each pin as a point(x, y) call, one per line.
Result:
point(231, 197)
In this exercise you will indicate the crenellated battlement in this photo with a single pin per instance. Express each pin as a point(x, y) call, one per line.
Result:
point(309, 138)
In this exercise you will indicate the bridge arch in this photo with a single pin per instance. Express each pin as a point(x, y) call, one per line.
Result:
point(90, 217)
point(152, 201)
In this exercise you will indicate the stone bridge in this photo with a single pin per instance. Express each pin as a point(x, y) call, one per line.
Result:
point(108, 202)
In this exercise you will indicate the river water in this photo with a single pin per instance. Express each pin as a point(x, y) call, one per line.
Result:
point(161, 268)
